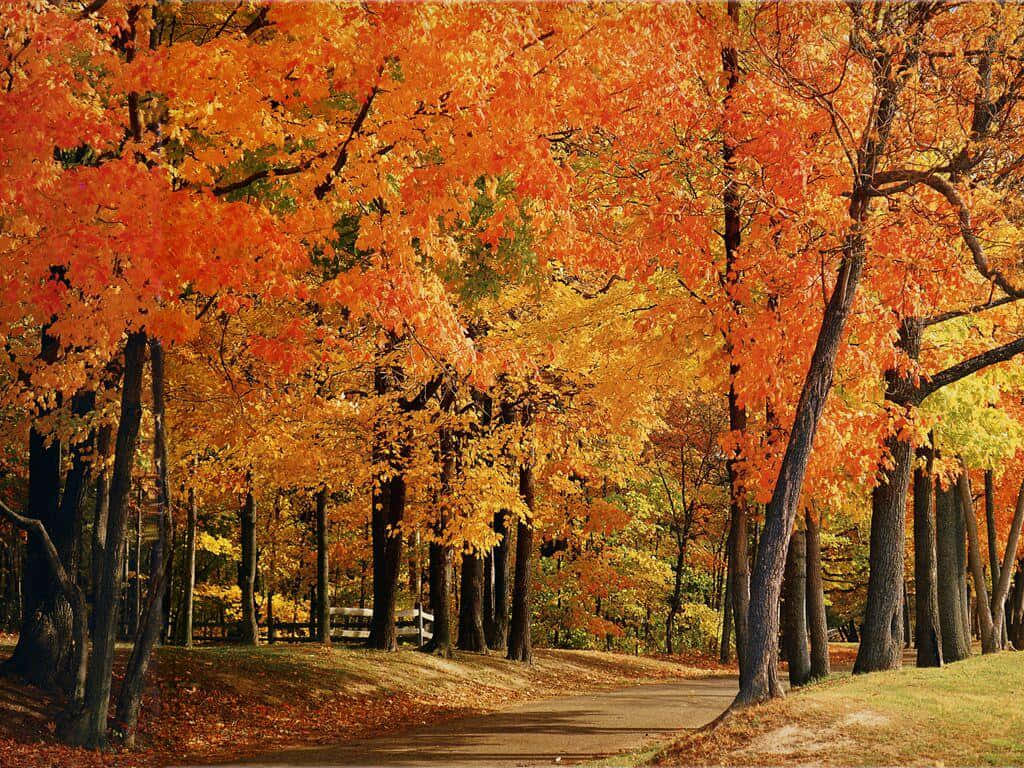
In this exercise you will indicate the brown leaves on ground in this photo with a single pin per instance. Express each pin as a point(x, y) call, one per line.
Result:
point(214, 704)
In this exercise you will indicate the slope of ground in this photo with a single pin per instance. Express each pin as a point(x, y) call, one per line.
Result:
point(968, 713)
point(211, 704)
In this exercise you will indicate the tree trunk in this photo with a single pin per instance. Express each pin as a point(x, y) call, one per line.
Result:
point(676, 601)
point(928, 630)
point(519, 646)
point(323, 597)
point(816, 619)
point(189, 577)
point(389, 510)
point(1001, 588)
point(795, 636)
point(738, 559)
point(89, 726)
point(441, 599)
point(488, 596)
point(881, 647)
point(986, 629)
point(993, 554)
point(471, 605)
point(760, 676)
point(248, 631)
point(99, 527)
point(43, 652)
point(130, 695)
point(954, 636)
point(725, 645)
point(498, 639)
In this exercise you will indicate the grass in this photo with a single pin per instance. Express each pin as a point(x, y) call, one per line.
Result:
point(215, 703)
point(967, 713)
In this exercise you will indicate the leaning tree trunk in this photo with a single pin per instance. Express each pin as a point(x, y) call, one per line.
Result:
point(816, 619)
point(248, 630)
point(795, 635)
point(760, 679)
point(928, 629)
point(948, 542)
point(1001, 587)
point(88, 727)
point(498, 640)
point(471, 604)
point(519, 646)
point(323, 598)
point(130, 696)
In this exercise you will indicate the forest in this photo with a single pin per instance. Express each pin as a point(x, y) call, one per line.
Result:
point(676, 329)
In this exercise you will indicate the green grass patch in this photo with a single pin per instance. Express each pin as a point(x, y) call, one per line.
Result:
point(968, 713)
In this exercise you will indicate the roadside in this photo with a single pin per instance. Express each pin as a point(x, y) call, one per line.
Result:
point(218, 703)
point(967, 713)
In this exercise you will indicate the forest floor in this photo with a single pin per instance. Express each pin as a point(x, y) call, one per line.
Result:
point(968, 713)
point(226, 702)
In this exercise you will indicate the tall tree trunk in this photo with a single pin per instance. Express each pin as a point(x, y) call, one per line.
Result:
point(725, 644)
point(99, 527)
point(761, 677)
point(986, 629)
point(441, 599)
point(993, 550)
point(130, 696)
point(387, 550)
point(441, 553)
point(676, 601)
point(1001, 587)
point(471, 606)
point(189, 576)
point(738, 560)
point(89, 726)
point(498, 639)
point(519, 645)
point(386, 518)
point(881, 647)
point(248, 630)
point(323, 597)
point(928, 630)
point(795, 636)
point(954, 635)
point(488, 596)
point(44, 651)
point(816, 619)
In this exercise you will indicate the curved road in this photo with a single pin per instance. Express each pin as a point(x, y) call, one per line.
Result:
point(565, 730)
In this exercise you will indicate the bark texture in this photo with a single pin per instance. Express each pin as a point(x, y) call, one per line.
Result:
point(927, 626)
point(795, 636)
point(816, 619)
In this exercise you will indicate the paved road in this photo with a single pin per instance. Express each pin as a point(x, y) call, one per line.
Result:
point(570, 729)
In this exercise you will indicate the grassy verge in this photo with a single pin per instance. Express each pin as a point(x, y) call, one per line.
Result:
point(968, 713)
point(218, 703)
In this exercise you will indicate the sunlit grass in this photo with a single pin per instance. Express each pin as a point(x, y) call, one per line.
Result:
point(968, 713)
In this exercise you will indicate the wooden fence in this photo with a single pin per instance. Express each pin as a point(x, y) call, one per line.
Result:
point(346, 624)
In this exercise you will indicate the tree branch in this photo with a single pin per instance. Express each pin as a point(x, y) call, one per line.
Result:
point(971, 365)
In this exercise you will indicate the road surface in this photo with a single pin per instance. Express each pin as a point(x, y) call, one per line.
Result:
point(562, 731)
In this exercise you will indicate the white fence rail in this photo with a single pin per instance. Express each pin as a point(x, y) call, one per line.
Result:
point(411, 622)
